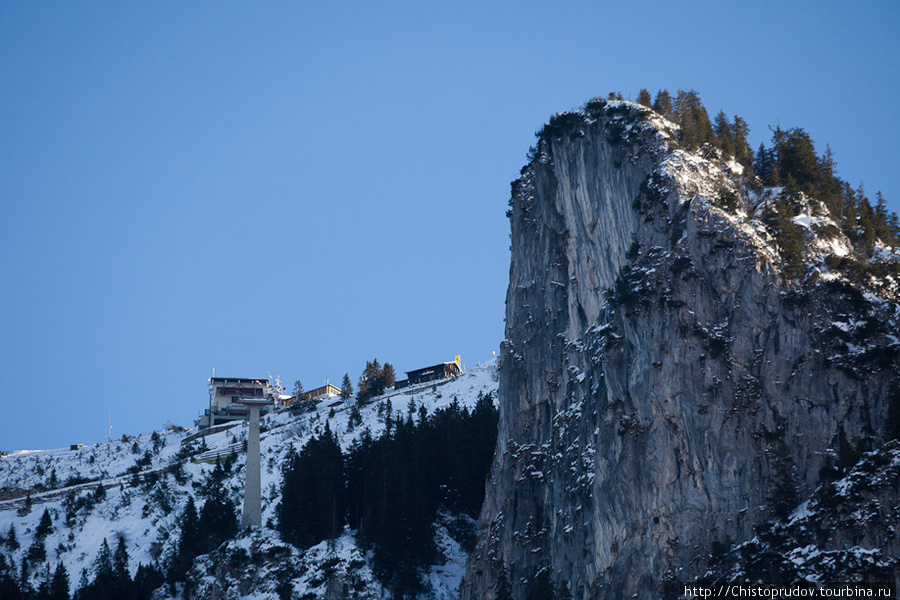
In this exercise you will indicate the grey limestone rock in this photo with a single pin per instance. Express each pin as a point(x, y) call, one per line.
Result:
point(664, 386)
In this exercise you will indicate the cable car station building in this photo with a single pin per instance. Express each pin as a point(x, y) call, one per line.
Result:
point(225, 394)
point(432, 373)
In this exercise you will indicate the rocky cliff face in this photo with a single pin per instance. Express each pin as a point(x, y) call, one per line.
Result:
point(664, 386)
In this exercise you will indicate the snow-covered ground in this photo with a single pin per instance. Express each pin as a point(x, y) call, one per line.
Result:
point(145, 513)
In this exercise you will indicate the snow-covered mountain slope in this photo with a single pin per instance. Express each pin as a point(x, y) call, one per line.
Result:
point(147, 481)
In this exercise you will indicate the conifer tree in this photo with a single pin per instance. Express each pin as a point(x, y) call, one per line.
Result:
point(644, 98)
point(84, 587)
point(103, 586)
point(313, 505)
point(23, 579)
point(663, 103)
point(346, 387)
point(146, 580)
point(99, 493)
point(503, 589)
point(743, 154)
point(363, 393)
point(11, 541)
point(765, 166)
point(691, 115)
point(121, 575)
point(796, 159)
point(59, 585)
point(217, 519)
point(374, 380)
point(386, 411)
point(157, 441)
point(9, 587)
point(45, 527)
point(866, 223)
point(355, 418)
point(37, 552)
point(388, 375)
point(396, 484)
point(790, 239)
point(894, 226)
point(188, 543)
point(882, 221)
point(724, 135)
point(103, 564)
point(826, 163)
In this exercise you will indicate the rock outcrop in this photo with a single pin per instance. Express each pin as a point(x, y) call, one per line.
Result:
point(258, 564)
point(665, 386)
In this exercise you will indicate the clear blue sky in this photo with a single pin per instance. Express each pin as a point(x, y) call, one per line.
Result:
point(294, 188)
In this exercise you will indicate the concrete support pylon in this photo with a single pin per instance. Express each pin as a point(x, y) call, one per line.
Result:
point(252, 516)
